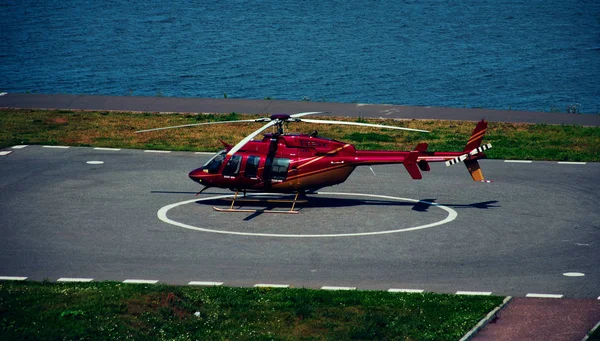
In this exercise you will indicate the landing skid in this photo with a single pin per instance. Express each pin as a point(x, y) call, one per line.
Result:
point(244, 199)
point(254, 211)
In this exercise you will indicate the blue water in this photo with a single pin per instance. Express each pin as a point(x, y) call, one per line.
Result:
point(525, 55)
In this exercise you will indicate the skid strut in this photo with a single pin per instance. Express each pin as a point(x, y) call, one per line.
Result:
point(291, 211)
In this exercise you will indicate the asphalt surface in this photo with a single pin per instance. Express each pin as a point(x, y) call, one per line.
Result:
point(62, 217)
point(533, 232)
point(216, 105)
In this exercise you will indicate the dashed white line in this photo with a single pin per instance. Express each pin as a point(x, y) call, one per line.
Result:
point(204, 283)
point(56, 147)
point(73, 280)
point(95, 162)
point(12, 278)
point(157, 151)
point(571, 163)
point(474, 293)
point(410, 291)
point(518, 161)
point(108, 149)
point(5, 152)
point(204, 153)
point(337, 288)
point(3, 93)
point(140, 281)
point(20, 146)
point(543, 296)
point(271, 285)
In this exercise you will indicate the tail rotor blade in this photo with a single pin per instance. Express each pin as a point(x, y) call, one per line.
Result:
point(361, 124)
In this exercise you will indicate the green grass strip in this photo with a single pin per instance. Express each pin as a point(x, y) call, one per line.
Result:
point(116, 311)
point(116, 130)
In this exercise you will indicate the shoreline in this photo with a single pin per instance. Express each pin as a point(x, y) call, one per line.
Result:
point(250, 106)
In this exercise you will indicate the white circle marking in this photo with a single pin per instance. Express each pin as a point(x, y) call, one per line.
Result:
point(95, 162)
point(162, 215)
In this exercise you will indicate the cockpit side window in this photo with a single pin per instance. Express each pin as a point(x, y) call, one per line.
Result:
point(232, 168)
point(213, 165)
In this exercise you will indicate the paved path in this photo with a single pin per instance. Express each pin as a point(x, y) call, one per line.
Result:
point(535, 319)
point(215, 105)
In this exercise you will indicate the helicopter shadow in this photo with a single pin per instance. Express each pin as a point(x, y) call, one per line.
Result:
point(321, 202)
point(424, 204)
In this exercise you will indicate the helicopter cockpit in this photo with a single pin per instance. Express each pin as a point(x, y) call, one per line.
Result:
point(213, 165)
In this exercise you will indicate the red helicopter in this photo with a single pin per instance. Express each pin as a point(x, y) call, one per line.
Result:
point(302, 163)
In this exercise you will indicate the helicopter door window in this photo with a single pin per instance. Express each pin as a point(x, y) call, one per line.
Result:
point(213, 165)
point(251, 169)
point(279, 168)
point(232, 168)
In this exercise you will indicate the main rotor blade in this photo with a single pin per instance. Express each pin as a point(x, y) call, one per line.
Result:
point(361, 124)
point(193, 125)
point(250, 137)
point(300, 114)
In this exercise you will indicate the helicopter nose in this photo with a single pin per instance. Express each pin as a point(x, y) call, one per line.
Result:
point(198, 175)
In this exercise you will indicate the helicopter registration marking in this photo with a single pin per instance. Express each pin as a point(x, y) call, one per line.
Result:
point(162, 215)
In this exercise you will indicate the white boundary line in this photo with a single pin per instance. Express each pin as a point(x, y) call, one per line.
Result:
point(72, 280)
point(57, 147)
point(518, 161)
point(543, 296)
point(409, 291)
point(140, 281)
point(157, 151)
point(20, 146)
point(162, 215)
point(206, 284)
point(108, 149)
point(571, 163)
point(260, 285)
point(474, 293)
point(12, 278)
point(337, 288)
point(5, 152)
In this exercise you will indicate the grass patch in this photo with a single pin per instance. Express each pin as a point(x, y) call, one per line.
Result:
point(116, 311)
point(116, 130)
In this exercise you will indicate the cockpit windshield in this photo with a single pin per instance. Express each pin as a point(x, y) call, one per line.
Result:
point(213, 165)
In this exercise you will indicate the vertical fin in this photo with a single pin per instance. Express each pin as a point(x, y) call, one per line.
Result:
point(477, 136)
point(410, 163)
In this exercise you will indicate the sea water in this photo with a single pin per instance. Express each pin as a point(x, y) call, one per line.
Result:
point(523, 55)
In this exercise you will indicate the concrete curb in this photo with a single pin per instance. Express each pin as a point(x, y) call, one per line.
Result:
point(492, 315)
point(587, 336)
